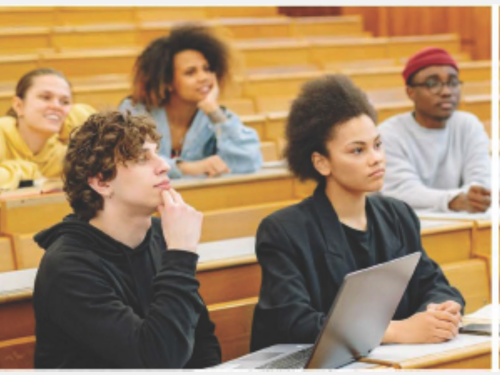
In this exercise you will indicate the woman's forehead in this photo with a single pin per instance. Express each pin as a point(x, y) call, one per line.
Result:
point(361, 128)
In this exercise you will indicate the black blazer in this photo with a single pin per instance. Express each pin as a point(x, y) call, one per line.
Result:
point(304, 255)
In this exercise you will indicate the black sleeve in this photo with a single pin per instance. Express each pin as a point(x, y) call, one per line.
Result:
point(82, 302)
point(284, 313)
point(433, 287)
point(206, 352)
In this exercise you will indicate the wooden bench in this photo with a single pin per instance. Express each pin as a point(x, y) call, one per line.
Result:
point(269, 151)
point(404, 46)
point(332, 50)
point(233, 326)
point(102, 96)
point(470, 277)
point(483, 235)
point(240, 106)
point(27, 253)
point(78, 15)
point(17, 353)
point(13, 67)
point(265, 86)
point(232, 318)
point(337, 66)
point(24, 39)
point(28, 214)
point(481, 243)
point(92, 62)
point(217, 225)
point(252, 28)
point(447, 241)
point(240, 11)
point(230, 304)
point(286, 52)
point(7, 258)
point(480, 105)
point(77, 32)
point(276, 118)
point(11, 16)
point(257, 122)
point(314, 26)
point(389, 77)
point(94, 36)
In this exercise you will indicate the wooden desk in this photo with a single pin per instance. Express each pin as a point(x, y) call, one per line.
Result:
point(482, 227)
point(94, 62)
point(7, 259)
point(219, 262)
point(264, 186)
point(269, 53)
point(376, 78)
point(447, 241)
point(26, 215)
point(472, 354)
point(277, 84)
point(237, 222)
point(482, 243)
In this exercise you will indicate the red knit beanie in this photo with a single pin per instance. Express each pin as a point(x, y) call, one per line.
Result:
point(427, 57)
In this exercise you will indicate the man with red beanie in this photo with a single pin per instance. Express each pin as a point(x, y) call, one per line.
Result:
point(437, 156)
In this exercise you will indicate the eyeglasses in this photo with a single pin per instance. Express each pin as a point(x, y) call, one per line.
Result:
point(435, 86)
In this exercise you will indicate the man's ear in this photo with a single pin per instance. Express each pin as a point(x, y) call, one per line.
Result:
point(410, 91)
point(18, 105)
point(101, 187)
point(321, 164)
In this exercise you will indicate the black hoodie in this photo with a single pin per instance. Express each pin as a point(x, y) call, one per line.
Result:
point(100, 304)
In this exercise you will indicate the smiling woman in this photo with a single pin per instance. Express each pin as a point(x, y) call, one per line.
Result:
point(176, 81)
point(34, 132)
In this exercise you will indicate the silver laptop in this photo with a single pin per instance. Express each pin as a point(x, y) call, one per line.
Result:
point(355, 325)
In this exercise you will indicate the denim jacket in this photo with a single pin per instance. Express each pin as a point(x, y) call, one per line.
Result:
point(236, 144)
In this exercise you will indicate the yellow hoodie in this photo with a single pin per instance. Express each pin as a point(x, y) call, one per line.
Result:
point(17, 161)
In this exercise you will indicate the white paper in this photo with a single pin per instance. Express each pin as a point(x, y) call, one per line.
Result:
point(17, 280)
point(234, 248)
point(403, 352)
point(426, 224)
point(358, 366)
point(274, 164)
point(485, 312)
point(454, 215)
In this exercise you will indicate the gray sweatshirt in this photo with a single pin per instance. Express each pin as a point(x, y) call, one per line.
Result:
point(427, 168)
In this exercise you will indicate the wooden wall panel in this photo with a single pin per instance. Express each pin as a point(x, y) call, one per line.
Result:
point(473, 24)
point(309, 11)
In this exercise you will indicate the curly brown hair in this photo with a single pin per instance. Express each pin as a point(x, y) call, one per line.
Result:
point(322, 105)
point(96, 148)
point(154, 68)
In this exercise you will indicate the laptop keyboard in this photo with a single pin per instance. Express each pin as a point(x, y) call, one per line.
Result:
point(294, 360)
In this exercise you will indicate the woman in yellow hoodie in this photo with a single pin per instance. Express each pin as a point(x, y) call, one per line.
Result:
point(34, 133)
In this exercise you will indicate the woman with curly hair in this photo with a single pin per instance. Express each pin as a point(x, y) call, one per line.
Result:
point(176, 81)
point(306, 250)
point(33, 134)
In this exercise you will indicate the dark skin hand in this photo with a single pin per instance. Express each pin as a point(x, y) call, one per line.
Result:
point(477, 199)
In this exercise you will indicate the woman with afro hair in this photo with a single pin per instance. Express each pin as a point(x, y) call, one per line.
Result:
point(305, 250)
point(176, 82)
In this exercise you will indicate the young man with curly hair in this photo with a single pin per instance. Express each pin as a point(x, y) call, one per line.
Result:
point(116, 288)
point(307, 249)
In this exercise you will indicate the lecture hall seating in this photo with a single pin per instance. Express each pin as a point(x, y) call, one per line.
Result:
point(97, 46)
